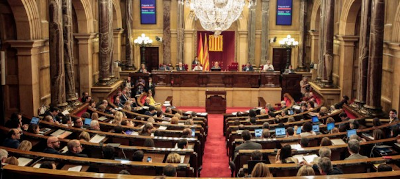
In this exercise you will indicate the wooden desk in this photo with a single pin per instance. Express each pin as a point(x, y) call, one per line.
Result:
point(85, 168)
point(214, 79)
point(216, 102)
point(155, 157)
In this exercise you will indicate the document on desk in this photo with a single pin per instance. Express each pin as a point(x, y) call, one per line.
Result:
point(296, 147)
point(102, 118)
point(182, 158)
point(57, 133)
point(65, 134)
point(309, 158)
point(23, 161)
point(97, 138)
point(299, 157)
point(64, 150)
point(162, 128)
point(75, 169)
point(338, 142)
point(37, 165)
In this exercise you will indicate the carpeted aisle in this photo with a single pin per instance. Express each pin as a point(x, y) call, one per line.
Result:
point(215, 160)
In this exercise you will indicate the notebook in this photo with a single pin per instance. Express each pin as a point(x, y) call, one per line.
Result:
point(97, 138)
point(34, 120)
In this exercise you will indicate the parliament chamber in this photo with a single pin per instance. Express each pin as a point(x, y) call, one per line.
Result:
point(199, 89)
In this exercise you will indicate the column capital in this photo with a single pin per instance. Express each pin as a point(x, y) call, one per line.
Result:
point(84, 38)
point(393, 45)
point(25, 47)
point(313, 32)
point(118, 31)
point(347, 38)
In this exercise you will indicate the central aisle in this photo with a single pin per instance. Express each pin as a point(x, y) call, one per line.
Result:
point(215, 159)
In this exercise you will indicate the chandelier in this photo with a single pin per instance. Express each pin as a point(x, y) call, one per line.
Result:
point(217, 15)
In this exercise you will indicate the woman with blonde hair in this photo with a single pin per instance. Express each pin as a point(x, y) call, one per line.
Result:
point(25, 145)
point(330, 120)
point(95, 116)
point(118, 117)
point(261, 170)
point(173, 158)
point(306, 171)
point(127, 105)
point(174, 120)
point(12, 161)
point(84, 136)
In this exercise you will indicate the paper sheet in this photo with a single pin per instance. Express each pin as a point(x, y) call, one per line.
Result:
point(97, 138)
point(162, 128)
point(23, 161)
point(57, 133)
point(309, 158)
point(76, 168)
point(338, 142)
point(182, 158)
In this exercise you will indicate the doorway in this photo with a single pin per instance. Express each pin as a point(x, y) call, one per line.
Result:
point(151, 55)
point(279, 57)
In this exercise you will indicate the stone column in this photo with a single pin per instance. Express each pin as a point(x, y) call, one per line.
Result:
point(328, 42)
point(242, 48)
point(374, 79)
point(314, 51)
point(56, 46)
point(129, 65)
point(252, 34)
point(167, 31)
point(105, 41)
point(363, 54)
point(303, 29)
point(29, 59)
point(68, 51)
point(321, 62)
point(347, 51)
point(180, 31)
point(85, 46)
point(265, 31)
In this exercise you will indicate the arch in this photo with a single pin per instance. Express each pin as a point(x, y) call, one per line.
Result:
point(396, 25)
point(348, 17)
point(117, 22)
point(83, 10)
point(26, 15)
point(315, 15)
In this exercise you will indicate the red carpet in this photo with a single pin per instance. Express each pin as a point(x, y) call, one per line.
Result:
point(215, 160)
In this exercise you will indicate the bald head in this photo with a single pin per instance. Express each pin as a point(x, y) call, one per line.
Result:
point(53, 142)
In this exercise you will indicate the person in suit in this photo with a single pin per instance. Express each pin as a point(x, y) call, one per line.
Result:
point(75, 149)
point(195, 61)
point(198, 67)
point(131, 86)
point(247, 144)
point(140, 86)
point(216, 66)
point(13, 137)
point(143, 68)
point(180, 67)
point(52, 144)
point(164, 67)
point(268, 66)
point(150, 85)
point(248, 67)
point(354, 149)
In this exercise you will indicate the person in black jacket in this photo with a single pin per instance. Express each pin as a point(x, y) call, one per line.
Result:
point(75, 149)
point(325, 167)
point(52, 144)
point(150, 85)
point(12, 139)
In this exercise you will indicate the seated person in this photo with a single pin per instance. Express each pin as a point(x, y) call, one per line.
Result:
point(138, 156)
point(48, 165)
point(52, 145)
point(306, 130)
point(13, 137)
point(169, 171)
point(143, 68)
point(248, 67)
point(147, 129)
point(289, 70)
point(173, 158)
point(75, 149)
point(216, 66)
point(198, 67)
point(284, 155)
point(247, 144)
point(195, 61)
point(268, 66)
point(325, 167)
point(354, 149)
point(180, 67)
point(108, 152)
point(164, 67)
point(151, 112)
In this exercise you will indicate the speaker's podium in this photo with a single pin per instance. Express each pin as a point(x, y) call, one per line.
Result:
point(216, 102)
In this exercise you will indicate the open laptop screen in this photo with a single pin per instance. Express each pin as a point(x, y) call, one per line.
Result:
point(34, 120)
point(280, 131)
point(258, 133)
point(315, 128)
point(88, 121)
point(330, 126)
point(315, 119)
point(351, 132)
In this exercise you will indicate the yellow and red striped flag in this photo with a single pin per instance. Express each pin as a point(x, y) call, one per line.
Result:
point(206, 60)
point(200, 50)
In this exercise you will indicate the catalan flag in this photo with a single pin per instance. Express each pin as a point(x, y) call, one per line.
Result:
point(206, 60)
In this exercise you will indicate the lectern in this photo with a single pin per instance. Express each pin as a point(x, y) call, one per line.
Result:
point(216, 102)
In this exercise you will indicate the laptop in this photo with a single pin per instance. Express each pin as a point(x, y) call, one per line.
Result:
point(290, 112)
point(34, 120)
point(315, 128)
point(330, 126)
point(299, 130)
point(280, 132)
point(87, 121)
point(315, 119)
point(193, 132)
point(258, 133)
point(351, 132)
